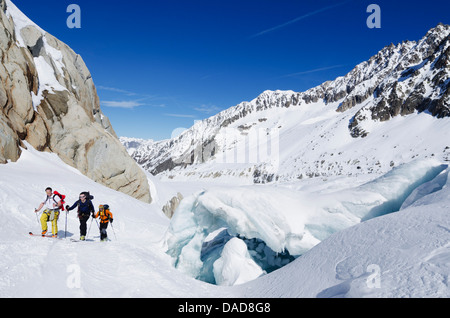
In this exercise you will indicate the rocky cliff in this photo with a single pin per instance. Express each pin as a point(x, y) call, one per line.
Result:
point(48, 98)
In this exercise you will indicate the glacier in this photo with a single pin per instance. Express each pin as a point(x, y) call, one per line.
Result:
point(260, 229)
point(410, 247)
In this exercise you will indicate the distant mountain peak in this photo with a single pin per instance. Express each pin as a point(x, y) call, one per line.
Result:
point(411, 77)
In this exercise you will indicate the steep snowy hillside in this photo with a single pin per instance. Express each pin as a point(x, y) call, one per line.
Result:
point(131, 265)
point(389, 110)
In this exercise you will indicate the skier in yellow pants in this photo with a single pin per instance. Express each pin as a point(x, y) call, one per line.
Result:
point(50, 216)
point(51, 213)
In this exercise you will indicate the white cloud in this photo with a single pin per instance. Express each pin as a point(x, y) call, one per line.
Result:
point(180, 115)
point(122, 104)
point(117, 90)
point(208, 109)
point(310, 14)
point(321, 69)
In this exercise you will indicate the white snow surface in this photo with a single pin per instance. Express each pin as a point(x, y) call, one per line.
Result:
point(408, 251)
point(47, 79)
point(235, 265)
point(405, 254)
point(285, 219)
point(131, 266)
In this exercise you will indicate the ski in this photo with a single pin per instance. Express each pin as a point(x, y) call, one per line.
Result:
point(80, 241)
point(43, 236)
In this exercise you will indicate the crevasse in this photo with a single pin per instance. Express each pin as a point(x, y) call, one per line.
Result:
point(232, 235)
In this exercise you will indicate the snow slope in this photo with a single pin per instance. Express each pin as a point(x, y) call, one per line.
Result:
point(409, 250)
point(406, 254)
point(131, 266)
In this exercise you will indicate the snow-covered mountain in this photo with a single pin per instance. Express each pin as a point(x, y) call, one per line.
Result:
point(375, 225)
point(379, 138)
point(389, 110)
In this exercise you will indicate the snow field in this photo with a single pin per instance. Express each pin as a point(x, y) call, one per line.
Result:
point(283, 222)
point(134, 265)
point(400, 255)
point(403, 254)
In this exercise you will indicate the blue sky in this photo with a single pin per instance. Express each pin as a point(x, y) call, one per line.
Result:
point(161, 65)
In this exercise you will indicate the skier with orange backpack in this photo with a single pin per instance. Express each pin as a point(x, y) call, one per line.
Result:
point(106, 217)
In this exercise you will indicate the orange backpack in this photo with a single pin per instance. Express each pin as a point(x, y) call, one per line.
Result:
point(104, 213)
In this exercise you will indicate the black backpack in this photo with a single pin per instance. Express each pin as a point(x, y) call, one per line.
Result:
point(89, 198)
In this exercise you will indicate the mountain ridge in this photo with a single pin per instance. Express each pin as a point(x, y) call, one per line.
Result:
point(400, 80)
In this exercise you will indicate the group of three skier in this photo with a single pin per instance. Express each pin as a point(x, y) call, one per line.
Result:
point(54, 204)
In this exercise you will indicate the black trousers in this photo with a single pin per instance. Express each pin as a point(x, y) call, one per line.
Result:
point(83, 224)
point(103, 233)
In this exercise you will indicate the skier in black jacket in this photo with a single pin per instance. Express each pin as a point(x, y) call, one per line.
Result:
point(85, 210)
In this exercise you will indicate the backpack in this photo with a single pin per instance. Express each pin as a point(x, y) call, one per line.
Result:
point(104, 213)
point(62, 197)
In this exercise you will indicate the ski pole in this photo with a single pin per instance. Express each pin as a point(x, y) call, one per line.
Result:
point(89, 231)
point(93, 218)
point(114, 231)
point(37, 217)
point(98, 225)
point(65, 235)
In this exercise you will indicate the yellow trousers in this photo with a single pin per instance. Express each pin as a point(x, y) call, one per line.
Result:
point(46, 217)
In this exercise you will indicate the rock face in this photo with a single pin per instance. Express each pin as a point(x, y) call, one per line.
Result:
point(415, 77)
point(171, 206)
point(48, 98)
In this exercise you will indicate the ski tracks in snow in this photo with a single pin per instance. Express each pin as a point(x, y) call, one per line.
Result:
point(45, 267)
point(25, 266)
point(437, 268)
